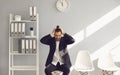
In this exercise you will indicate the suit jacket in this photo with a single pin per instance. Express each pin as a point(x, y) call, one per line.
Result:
point(65, 40)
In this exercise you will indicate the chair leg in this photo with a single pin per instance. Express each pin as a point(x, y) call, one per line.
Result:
point(104, 72)
point(112, 73)
point(88, 73)
point(79, 73)
point(83, 73)
point(54, 73)
point(100, 72)
point(107, 72)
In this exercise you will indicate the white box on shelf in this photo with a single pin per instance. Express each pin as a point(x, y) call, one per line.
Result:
point(17, 18)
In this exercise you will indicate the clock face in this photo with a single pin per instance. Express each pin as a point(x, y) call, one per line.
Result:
point(62, 5)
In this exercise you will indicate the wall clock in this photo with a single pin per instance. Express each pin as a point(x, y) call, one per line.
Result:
point(62, 5)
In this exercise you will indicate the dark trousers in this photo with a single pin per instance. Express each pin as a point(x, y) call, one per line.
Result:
point(50, 68)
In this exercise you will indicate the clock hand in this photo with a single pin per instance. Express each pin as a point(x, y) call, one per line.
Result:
point(62, 2)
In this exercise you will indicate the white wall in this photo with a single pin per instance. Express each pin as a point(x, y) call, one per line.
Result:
point(78, 17)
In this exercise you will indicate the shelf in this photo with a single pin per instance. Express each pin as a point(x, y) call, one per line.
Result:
point(16, 53)
point(23, 21)
point(20, 38)
point(23, 68)
point(30, 37)
point(23, 36)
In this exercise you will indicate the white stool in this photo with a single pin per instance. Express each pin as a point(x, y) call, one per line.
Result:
point(57, 72)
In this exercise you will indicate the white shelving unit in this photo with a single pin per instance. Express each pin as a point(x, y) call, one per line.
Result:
point(13, 53)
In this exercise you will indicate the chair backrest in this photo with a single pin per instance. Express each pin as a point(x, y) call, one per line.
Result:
point(105, 62)
point(83, 62)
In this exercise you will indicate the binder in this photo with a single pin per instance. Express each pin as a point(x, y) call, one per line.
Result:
point(23, 28)
point(16, 30)
point(19, 46)
point(19, 28)
point(31, 45)
point(12, 29)
point(34, 46)
point(23, 45)
point(27, 46)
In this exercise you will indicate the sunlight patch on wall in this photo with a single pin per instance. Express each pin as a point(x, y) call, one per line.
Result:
point(104, 20)
point(108, 47)
point(78, 38)
point(95, 26)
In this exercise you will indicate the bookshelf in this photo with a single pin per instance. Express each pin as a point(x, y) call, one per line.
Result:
point(23, 45)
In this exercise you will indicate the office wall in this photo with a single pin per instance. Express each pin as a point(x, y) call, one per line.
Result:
point(80, 15)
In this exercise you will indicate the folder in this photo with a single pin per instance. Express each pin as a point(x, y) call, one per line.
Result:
point(31, 45)
point(23, 46)
point(20, 28)
point(27, 46)
point(23, 28)
point(34, 46)
point(16, 26)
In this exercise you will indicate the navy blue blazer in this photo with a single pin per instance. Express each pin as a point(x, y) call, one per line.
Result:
point(65, 40)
